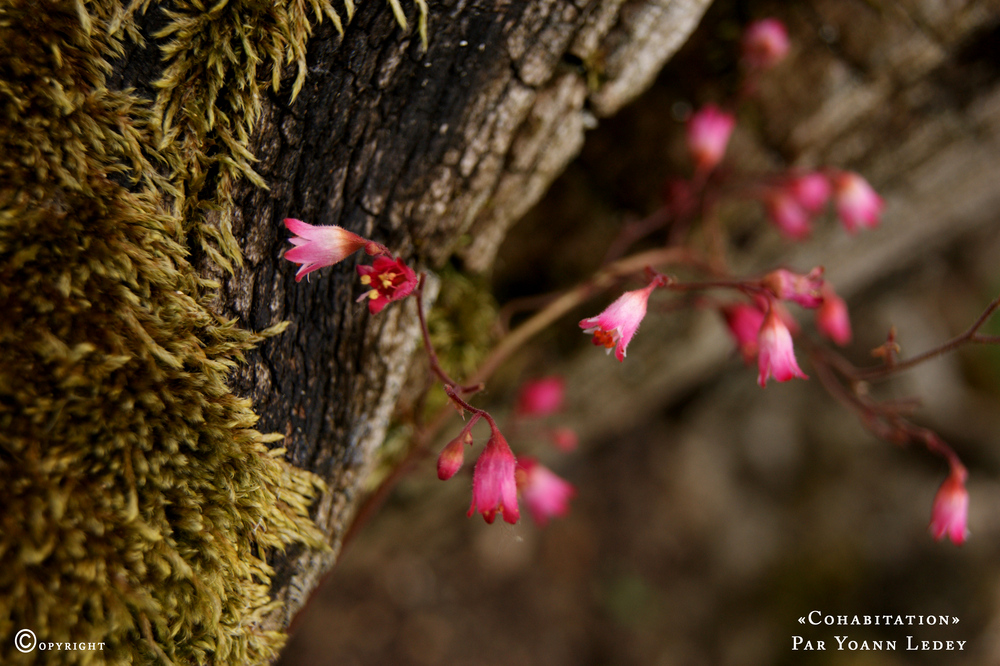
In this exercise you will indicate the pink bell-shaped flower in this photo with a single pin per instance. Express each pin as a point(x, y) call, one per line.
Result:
point(744, 321)
point(811, 190)
point(319, 246)
point(858, 205)
point(618, 323)
point(791, 218)
point(545, 493)
point(765, 43)
point(775, 353)
point(494, 488)
point(832, 319)
point(950, 514)
point(708, 133)
point(541, 397)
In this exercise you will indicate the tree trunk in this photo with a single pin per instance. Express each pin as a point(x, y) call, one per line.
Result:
point(416, 150)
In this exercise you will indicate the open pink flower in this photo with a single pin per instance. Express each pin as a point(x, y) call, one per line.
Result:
point(744, 321)
point(806, 290)
point(708, 133)
point(784, 209)
point(546, 494)
point(319, 246)
point(950, 513)
point(389, 279)
point(494, 488)
point(541, 397)
point(765, 43)
point(832, 319)
point(775, 353)
point(618, 323)
point(858, 205)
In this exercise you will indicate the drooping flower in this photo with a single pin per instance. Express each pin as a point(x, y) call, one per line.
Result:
point(546, 494)
point(565, 439)
point(784, 209)
point(950, 513)
point(618, 323)
point(389, 279)
point(541, 397)
point(811, 190)
point(775, 353)
point(806, 290)
point(743, 321)
point(858, 205)
point(708, 133)
point(319, 246)
point(453, 454)
point(832, 319)
point(494, 488)
point(765, 43)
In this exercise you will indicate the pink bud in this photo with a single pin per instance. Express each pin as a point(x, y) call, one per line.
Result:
point(744, 323)
point(788, 214)
point(858, 205)
point(453, 455)
point(494, 488)
point(389, 279)
point(708, 133)
point(775, 354)
point(765, 43)
point(618, 323)
point(564, 439)
point(806, 290)
point(950, 513)
point(546, 494)
point(541, 397)
point(832, 319)
point(319, 246)
point(810, 190)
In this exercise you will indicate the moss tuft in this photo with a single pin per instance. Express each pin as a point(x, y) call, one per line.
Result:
point(139, 500)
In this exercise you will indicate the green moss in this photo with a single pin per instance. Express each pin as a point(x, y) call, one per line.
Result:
point(139, 502)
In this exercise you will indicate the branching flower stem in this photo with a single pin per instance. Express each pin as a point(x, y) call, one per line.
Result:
point(970, 335)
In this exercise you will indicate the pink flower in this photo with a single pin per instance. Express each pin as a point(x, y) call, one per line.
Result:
point(810, 190)
point(618, 323)
point(319, 246)
point(547, 495)
point(708, 133)
point(832, 319)
point(389, 279)
point(765, 43)
point(951, 508)
point(453, 454)
point(494, 487)
point(775, 353)
point(541, 397)
point(784, 209)
point(806, 290)
point(858, 205)
point(564, 439)
point(744, 322)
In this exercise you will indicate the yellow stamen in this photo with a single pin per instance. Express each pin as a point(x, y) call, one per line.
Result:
point(366, 279)
point(373, 294)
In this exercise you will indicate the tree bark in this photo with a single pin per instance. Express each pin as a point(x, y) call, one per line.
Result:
point(415, 150)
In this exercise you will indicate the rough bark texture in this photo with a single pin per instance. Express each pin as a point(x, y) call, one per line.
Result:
point(413, 150)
